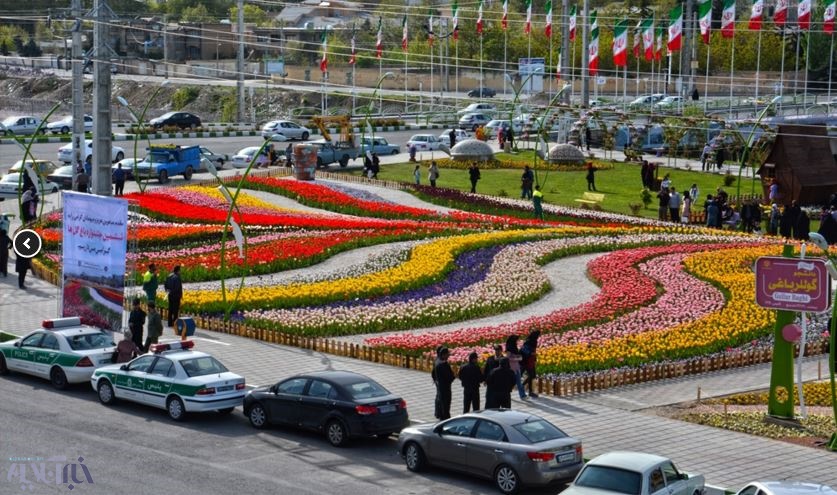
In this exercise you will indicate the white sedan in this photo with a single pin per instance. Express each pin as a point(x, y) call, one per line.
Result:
point(65, 125)
point(243, 157)
point(634, 473)
point(424, 142)
point(65, 153)
point(461, 134)
point(11, 183)
point(287, 128)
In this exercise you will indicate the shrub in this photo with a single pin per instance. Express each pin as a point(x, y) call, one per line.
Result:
point(729, 179)
point(183, 96)
point(645, 196)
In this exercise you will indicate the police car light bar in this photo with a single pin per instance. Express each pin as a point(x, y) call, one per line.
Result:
point(172, 346)
point(72, 321)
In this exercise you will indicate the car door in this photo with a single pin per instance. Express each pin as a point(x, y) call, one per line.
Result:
point(158, 382)
point(47, 353)
point(283, 407)
point(130, 383)
point(22, 357)
point(675, 483)
point(449, 447)
point(316, 403)
point(656, 482)
point(487, 447)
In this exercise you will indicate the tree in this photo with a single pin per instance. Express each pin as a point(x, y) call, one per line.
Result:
point(32, 49)
point(196, 14)
point(4, 47)
point(252, 14)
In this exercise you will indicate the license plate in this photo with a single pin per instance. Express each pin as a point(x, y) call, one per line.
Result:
point(566, 457)
point(105, 361)
point(224, 389)
point(386, 409)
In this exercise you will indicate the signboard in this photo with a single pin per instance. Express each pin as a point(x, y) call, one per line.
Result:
point(94, 247)
point(792, 284)
point(275, 66)
point(526, 66)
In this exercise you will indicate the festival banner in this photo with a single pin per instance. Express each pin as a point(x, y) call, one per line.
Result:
point(648, 38)
point(780, 14)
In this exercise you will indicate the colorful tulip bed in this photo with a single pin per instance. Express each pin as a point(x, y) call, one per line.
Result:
point(363, 267)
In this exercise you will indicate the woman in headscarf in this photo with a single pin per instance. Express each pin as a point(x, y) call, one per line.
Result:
point(126, 349)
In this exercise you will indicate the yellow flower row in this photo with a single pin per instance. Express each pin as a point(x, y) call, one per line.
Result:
point(244, 199)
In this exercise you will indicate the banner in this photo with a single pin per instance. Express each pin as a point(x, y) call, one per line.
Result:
point(95, 244)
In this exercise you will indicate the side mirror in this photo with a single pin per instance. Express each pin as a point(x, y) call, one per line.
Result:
point(273, 389)
point(684, 476)
point(438, 430)
point(124, 367)
point(17, 344)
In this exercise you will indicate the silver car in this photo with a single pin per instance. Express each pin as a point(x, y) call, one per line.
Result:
point(634, 473)
point(785, 488)
point(513, 448)
point(287, 128)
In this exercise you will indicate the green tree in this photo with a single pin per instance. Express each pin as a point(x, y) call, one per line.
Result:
point(252, 14)
point(196, 14)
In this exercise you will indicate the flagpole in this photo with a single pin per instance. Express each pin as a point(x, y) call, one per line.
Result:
point(505, 57)
point(782, 74)
point(430, 43)
point(637, 74)
point(731, 71)
point(572, 72)
point(380, 93)
point(807, 62)
point(758, 70)
point(830, 65)
point(796, 66)
point(456, 55)
point(706, 79)
point(529, 56)
point(482, 84)
point(550, 66)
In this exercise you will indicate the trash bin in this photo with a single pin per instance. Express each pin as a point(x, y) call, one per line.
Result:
point(184, 323)
point(305, 161)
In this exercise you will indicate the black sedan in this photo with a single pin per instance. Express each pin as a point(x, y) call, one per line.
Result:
point(339, 403)
point(182, 120)
point(63, 176)
point(482, 93)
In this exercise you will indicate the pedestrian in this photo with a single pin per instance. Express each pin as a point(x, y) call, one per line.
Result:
point(510, 136)
point(643, 174)
point(529, 351)
point(126, 349)
point(413, 151)
point(674, 204)
point(695, 94)
point(662, 212)
point(499, 386)
point(788, 220)
point(82, 179)
point(773, 193)
point(150, 282)
point(155, 326)
point(720, 156)
point(25, 205)
point(443, 378)
point(802, 226)
point(775, 217)
point(666, 182)
point(452, 137)
point(5, 246)
point(492, 362)
point(686, 215)
point(705, 156)
point(471, 377)
point(501, 136)
point(537, 202)
point(136, 322)
point(119, 180)
point(376, 165)
point(367, 164)
point(526, 181)
point(174, 286)
point(694, 192)
point(289, 152)
point(474, 176)
point(417, 175)
point(713, 213)
point(515, 358)
point(587, 137)
point(433, 173)
point(22, 265)
point(591, 177)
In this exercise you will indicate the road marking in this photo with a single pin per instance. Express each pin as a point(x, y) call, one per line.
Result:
point(211, 341)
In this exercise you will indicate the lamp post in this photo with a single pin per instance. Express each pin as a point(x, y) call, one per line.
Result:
point(387, 75)
point(540, 123)
point(139, 119)
point(517, 92)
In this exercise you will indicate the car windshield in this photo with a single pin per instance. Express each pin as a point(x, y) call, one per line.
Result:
point(610, 479)
point(10, 121)
point(166, 115)
point(366, 390)
point(200, 366)
point(539, 431)
point(87, 341)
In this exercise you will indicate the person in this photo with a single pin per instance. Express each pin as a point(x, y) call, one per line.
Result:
point(694, 192)
point(413, 151)
point(452, 137)
point(537, 202)
point(155, 326)
point(773, 192)
point(289, 153)
point(474, 176)
point(367, 164)
point(515, 358)
point(5, 245)
point(81, 179)
point(666, 182)
point(643, 173)
point(720, 156)
point(686, 215)
point(443, 378)
point(119, 180)
point(417, 175)
point(33, 205)
point(773, 221)
point(376, 165)
point(713, 213)
point(526, 181)
point(433, 173)
point(174, 286)
point(788, 219)
point(150, 282)
point(721, 196)
point(587, 137)
point(136, 322)
point(471, 377)
point(501, 136)
point(25, 205)
point(499, 386)
point(828, 226)
point(695, 94)
point(662, 211)
point(591, 177)
point(704, 156)
point(22, 265)
point(126, 349)
point(510, 136)
point(492, 362)
point(802, 226)
point(529, 351)
point(674, 204)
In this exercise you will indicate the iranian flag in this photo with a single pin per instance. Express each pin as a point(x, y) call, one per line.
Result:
point(404, 33)
point(705, 20)
point(479, 18)
point(593, 50)
point(648, 38)
point(505, 20)
point(547, 30)
point(324, 60)
point(803, 13)
point(658, 55)
point(780, 15)
point(573, 21)
point(728, 19)
point(527, 28)
point(755, 15)
point(379, 43)
point(675, 29)
point(828, 17)
point(637, 36)
point(620, 43)
point(455, 14)
point(353, 58)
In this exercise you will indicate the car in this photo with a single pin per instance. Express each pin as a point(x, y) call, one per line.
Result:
point(65, 125)
point(669, 102)
point(444, 137)
point(494, 126)
point(645, 101)
point(65, 153)
point(341, 404)
point(244, 156)
point(424, 142)
point(287, 128)
point(219, 159)
point(484, 108)
point(473, 121)
point(174, 377)
point(63, 176)
point(11, 184)
point(41, 167)
point(482, 92)
point(22, 125)
point(512, 448)
point(181, 120)
point(379, 145)
point(785, 488)
point(634, 473)
point(63, 350)
point(127, 166)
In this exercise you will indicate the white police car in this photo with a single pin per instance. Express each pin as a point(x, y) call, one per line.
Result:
point(172, 377)
point(64, 350)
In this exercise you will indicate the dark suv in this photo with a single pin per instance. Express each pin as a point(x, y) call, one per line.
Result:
point(182, 120)
point(482, 93)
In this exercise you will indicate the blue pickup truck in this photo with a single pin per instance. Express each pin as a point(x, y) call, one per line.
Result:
point(164, 161)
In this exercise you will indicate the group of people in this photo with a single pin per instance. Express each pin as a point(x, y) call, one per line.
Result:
point(505, 134)
point(173, 285)
point(371, 165)
point(502, 372)
point(710, 148)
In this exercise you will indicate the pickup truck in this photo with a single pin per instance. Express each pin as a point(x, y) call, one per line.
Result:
point(328, 153)
point(164, 161)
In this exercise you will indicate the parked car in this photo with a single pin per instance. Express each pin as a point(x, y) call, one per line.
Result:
point(634, 473)
point(482, 92)
point(494, 126)
point(11, 184)
point(484, 108)
point(473, 121)
point(341, 404)
point(461, 134)
point(669, 103)
point(424, 142)
point(645, 101)
point(63, 176)
point(21, 125)
point(513, 448)
point(65, 153)
point(65, 125)
point(785, 488)
point(245, 155)
point(41, 167)
point(164, 161)
point(219, 159)
point(379, 145)
point(181, 120)
point(287, 128)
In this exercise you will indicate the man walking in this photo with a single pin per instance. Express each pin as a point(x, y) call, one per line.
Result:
point(471, 376)
point(5, 245)
point(474, 176)
point(174, 286)
point(119, 180)
point(452, 137)
point(663, 205)
point(526, 182)
point(155, 326)
point(443, 378)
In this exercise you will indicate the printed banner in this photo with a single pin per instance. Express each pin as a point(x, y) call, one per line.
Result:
point(792, 284)
point(95, 245)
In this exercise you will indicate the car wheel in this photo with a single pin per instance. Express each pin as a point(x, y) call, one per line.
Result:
point(42, 131)
point(120, 156)
point(55, 189)
point(65, 130)
point(220, 164)
point(188, 173)
point(105, 392)
point(320, 163)
point(193, 126)
point(394, 152)
point(344, 161)
point(257, 416)
point(175, 409)
point(336, 433)
point(226, 410)
point(414, 457)
point(305, 136)
point(4, 369)
point(164, 176)
point(506, 479)
point(58, 378)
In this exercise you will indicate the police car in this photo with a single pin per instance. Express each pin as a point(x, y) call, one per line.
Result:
point(172, 377)
point(63, 350)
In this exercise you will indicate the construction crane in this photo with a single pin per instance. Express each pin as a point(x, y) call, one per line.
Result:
point(347, 137)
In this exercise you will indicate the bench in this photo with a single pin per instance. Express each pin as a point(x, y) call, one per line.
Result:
point(632, 154)
point(591, 199)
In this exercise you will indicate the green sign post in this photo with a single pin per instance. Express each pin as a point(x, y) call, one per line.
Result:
point(780, 404)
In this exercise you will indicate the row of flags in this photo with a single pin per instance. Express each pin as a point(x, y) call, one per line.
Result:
point(645, 29)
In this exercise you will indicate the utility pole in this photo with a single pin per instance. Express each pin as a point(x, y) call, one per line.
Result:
point(240, 64)
point(78, 92)
point(585, 55)
point(101, 162)
point(565, 46)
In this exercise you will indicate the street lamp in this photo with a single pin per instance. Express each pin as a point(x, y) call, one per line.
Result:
point(544, 148)
point(387, 75)
point(138, 119)
point(537, 70)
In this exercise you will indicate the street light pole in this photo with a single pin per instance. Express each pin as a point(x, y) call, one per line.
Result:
point(387, 75)
point(139, 119)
